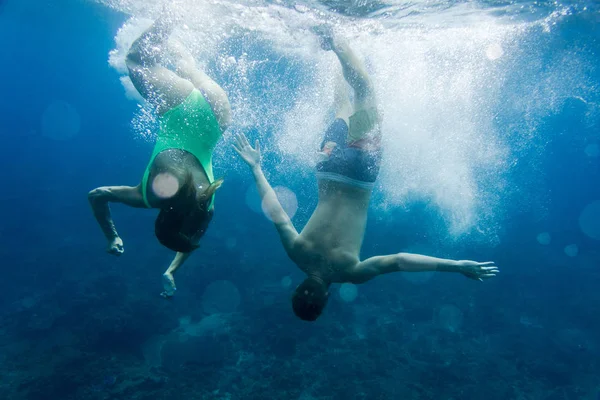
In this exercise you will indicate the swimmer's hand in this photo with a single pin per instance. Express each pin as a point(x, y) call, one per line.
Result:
point(115, 246)
point(251, 156)
point(477, 270)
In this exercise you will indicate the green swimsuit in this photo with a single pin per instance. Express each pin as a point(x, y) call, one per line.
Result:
point(191, 126)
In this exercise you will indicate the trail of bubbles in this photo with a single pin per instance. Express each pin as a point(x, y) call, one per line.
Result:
point(442, 90)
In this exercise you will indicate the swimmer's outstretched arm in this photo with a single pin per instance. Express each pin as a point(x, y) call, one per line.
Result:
point(271, 205)
point(406, 262)
point(99, 199)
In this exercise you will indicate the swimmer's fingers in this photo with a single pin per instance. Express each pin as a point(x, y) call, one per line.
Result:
point(237, 146)
point(487, 272)
point(238, 142)
point(487, 263)
point(491, 270)
point(257, 146)
point(236, 150)
point(244, 140)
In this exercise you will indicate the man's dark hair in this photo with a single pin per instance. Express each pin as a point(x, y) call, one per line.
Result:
point(310, 298)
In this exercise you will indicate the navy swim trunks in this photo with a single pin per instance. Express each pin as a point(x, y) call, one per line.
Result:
point(355, 163)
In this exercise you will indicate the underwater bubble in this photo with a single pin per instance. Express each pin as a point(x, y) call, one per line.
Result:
point(301, 8)
point(589, 220)
point(494, 51)
point(287, 199)
point(286, 282)
point(592, 150)
point(165, 185)
point(214, 324)
point(544, 238)
point(450, 317)
point(348, 292)
point(253, 199)
point(230, 243)
point(572, 250)
point(220, 297)
point(60, 121)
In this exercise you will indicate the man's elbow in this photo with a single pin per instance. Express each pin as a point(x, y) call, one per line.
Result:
point(98, 194)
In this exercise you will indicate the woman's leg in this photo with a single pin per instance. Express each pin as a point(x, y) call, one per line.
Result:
point(214, 94)
point(158, 85)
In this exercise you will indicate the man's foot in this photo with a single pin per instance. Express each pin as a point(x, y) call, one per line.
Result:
point(325, 34)
point(115, 246)
point(168, 285)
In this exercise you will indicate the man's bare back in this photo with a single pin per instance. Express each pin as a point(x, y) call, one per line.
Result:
point(329, 245)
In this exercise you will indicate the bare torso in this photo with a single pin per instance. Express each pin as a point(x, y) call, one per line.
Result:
point(329, 245)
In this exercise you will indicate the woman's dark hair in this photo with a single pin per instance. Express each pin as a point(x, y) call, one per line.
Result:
point(184, 217)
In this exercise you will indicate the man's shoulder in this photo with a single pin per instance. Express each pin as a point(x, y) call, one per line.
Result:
point(301, 247)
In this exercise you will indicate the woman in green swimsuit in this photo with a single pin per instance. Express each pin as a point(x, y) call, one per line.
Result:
point(193, 112)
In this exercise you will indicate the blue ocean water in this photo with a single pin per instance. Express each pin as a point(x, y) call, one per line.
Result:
point(492, 154)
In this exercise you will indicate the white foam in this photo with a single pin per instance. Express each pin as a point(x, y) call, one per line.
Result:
point(544, 238)
point(130, 91)
point(348, 292)
point(494, 51)
point(589, 220)
point(572, 250)
point(220, 297)
point(60, 121)
point(436, 87)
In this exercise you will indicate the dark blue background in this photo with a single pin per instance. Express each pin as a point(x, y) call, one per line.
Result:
point(52, 250)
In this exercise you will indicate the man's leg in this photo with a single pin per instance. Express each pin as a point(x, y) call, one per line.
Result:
point(341, 98)
point(353, 67)
point(158, 85)
point(363, 117)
